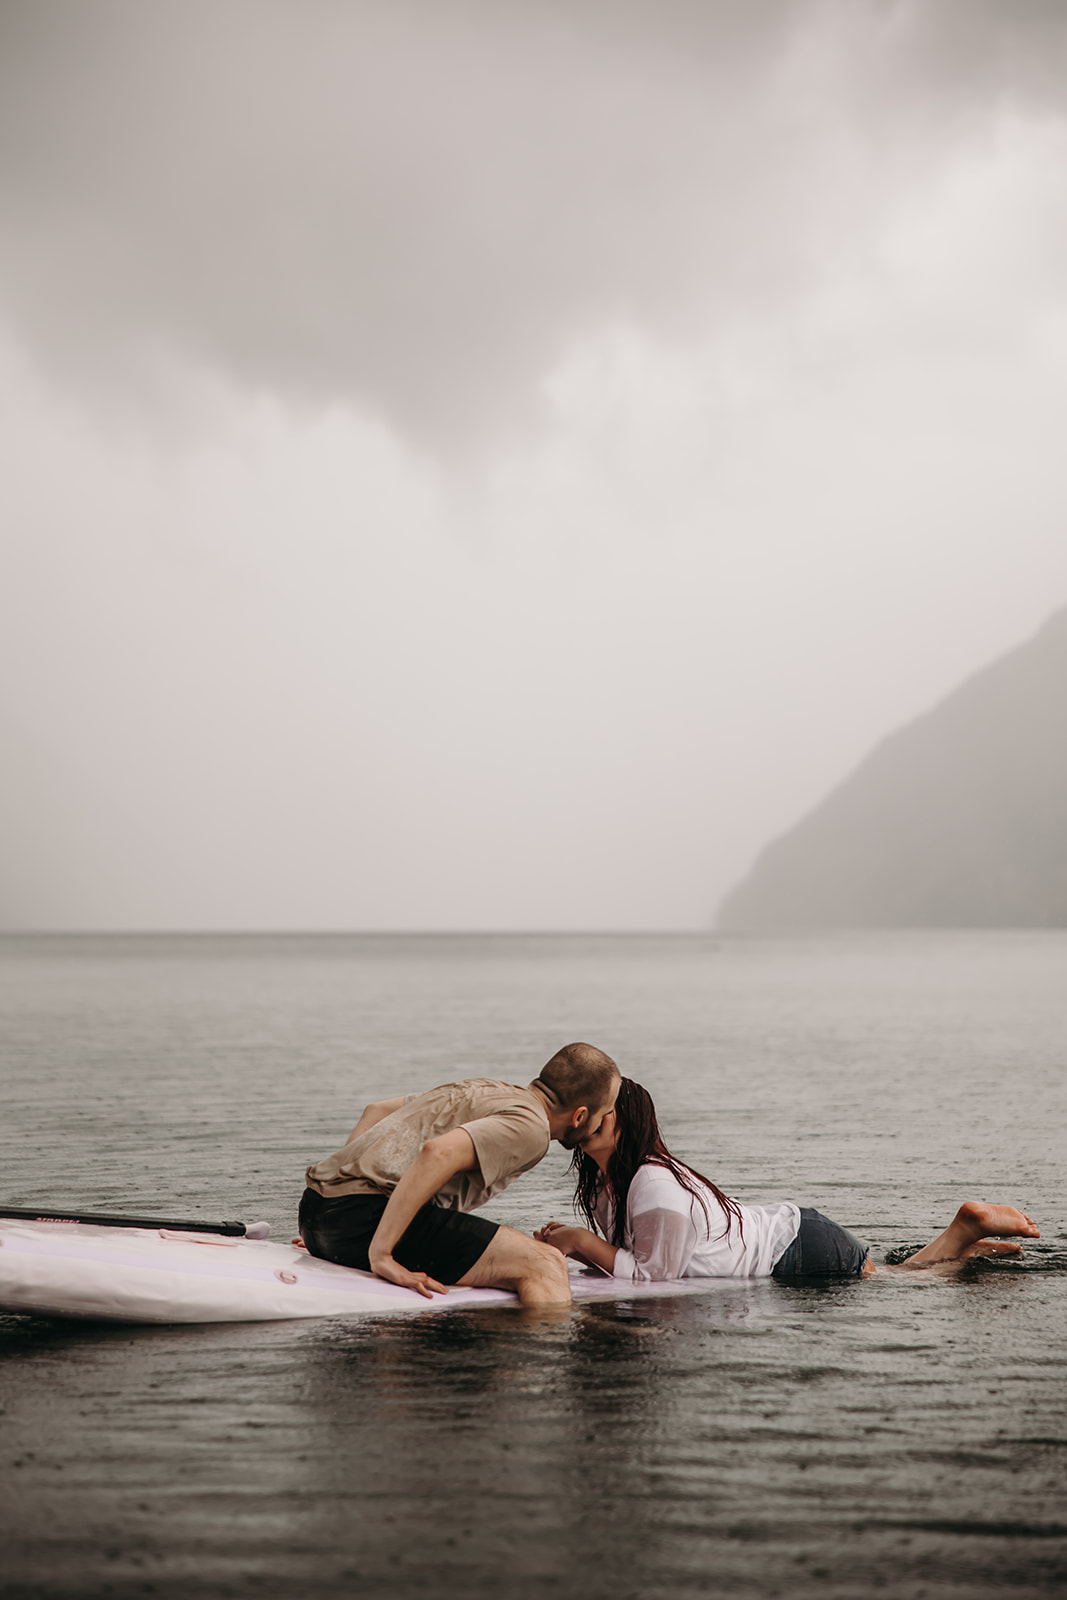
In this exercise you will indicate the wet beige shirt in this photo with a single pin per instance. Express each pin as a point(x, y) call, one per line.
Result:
point(508, 1126)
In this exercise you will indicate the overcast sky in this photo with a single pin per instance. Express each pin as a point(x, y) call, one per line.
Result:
point(495, 463)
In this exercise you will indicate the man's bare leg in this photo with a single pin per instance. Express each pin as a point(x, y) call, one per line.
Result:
point(512, 1260)
point(967, 1234)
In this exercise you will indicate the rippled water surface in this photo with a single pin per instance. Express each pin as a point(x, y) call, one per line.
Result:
point(906, 1436)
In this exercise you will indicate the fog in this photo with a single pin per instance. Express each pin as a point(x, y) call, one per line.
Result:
point(495, 465)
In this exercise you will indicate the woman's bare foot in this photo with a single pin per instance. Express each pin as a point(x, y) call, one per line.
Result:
point(966, 1234)
point(991, 1247)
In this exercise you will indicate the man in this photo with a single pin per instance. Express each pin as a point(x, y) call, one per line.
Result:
point(397, 1198)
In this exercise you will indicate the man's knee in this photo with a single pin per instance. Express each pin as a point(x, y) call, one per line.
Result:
point(530, 1256)
point(551, 1264)
point(512, 1258)
point(538, 1273)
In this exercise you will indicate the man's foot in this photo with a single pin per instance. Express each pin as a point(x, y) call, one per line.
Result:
point(969, 1229)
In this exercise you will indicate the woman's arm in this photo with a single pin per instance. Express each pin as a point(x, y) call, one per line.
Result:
point(580, 1243)
point(660, 1234)
point(660, 1245)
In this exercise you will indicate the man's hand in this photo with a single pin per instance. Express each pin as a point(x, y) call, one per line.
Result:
point(389, 1269)
point(438, 1160)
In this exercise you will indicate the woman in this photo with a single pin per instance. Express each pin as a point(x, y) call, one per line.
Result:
point(658, 1218)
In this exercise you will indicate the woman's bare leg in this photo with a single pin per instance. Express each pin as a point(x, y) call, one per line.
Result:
point(968, 1234)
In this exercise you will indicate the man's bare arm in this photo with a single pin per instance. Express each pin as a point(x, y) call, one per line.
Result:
point(376, 1112)
point(437, 1161)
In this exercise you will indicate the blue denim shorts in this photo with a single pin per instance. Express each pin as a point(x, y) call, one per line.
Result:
point(822, 1249)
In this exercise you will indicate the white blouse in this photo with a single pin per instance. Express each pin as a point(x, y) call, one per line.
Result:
point(668, 1236)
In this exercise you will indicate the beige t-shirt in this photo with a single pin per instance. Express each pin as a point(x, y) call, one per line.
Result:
point(508, 1125)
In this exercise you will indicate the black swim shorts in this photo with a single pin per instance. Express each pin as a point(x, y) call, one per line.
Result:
point(446, 1244)
point(822, 1249)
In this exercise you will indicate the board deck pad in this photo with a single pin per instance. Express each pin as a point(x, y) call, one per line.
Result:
point(174, 1274)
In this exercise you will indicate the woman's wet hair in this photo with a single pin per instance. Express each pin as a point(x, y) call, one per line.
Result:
point(639, 1143)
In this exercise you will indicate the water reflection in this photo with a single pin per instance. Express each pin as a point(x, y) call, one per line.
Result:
point(605, 1450)
point(503, 1443)
point(473, 1445)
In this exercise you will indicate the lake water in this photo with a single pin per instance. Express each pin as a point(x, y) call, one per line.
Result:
point(906, 1436)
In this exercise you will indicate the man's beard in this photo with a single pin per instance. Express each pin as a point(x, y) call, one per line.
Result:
point(572, 1136)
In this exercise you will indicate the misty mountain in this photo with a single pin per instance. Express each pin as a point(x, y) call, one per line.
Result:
point(957, 820)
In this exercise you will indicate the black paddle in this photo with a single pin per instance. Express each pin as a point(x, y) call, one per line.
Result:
point(238, 1230)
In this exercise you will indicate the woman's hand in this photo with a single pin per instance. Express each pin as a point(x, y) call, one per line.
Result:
point(580, 1243)
point(568, 1241)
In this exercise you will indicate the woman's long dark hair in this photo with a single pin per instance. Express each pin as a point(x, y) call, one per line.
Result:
point(639, 1143)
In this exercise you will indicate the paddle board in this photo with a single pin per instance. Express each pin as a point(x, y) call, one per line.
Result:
point(161, 1274)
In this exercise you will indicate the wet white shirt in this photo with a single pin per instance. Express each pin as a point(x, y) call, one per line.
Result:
point(668, 1236)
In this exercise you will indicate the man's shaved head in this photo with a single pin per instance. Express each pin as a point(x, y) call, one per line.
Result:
point(580, 1075)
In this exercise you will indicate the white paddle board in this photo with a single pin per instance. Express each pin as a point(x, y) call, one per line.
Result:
point(160, 1274)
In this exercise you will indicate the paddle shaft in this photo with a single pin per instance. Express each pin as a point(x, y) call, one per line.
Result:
point(230, 1229)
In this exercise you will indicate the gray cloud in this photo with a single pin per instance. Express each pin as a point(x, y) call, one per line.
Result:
point(786, 281)
point(417, 205)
